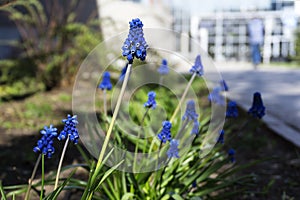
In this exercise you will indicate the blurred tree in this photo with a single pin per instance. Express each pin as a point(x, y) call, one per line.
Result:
point(55, 36)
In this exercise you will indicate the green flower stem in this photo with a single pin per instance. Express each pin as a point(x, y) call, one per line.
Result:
point(178, 135)
point(98, 166)
point(27, 196)
point(142, 121)
point(161, 79)
point(104, 103)
point(139, 134)
point(61, 161)
point(183, 97)
point(43, 177)
point(162, 173)
point(158, 154)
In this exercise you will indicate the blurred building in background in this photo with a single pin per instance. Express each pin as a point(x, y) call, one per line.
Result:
point(221, 26)
point(222, 29)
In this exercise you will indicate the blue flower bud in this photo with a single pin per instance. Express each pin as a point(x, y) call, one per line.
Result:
point(232, 110)
point(190, 112)
point(165, 134)
point(151, 103)
point(163, 69)
point(105, 84)
point(258, 109)
point(197, 67)
point(231, 153)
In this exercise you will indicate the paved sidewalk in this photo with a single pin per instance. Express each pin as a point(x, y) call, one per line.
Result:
point(280, 89)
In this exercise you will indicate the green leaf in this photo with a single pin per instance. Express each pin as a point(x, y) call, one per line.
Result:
point(2, 192)
point(56, 192)
point(177, 197)
point(127, 196)
point(166, 197)
point(111, 170)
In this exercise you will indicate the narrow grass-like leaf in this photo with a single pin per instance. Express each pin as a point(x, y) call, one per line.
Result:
point(177, 197)
point(2, 192)
point(56, 192)
point(127, 196)
point(111, 170)
point(107, 192)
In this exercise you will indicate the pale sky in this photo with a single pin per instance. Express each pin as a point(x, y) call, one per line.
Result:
point(211, 5)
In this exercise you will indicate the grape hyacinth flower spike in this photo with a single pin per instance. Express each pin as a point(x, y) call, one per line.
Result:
point(190, 112)
point(105, 84)
point(69, 132)
point(151, 103)
point(258, 109)
point(232, 111)
point(231, 153)
point(191, 115)
point(135, 45)
point(165, 134)
point(163, 69)
point(173, 149)
point(70, 129)
point(45, 144)
point(197, 67)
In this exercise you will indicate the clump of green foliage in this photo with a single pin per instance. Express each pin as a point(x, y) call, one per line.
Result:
point(53, 43)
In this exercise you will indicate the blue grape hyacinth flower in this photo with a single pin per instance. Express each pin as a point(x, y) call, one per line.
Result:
point(231, 154)
point(258, 109)
point(190, 112)
point(105, 84)
point(195, 129)
point(45, 144)
point(221, 137)
point(165, 134)
point(173, 149)
point(69, 129)
point(191, 115)
point(163, 69)
point(151, 103)
point(197, 67)
point(135, 45)
point(224, 85)
point(216, 97)
point(232, 111)
point(194, 184)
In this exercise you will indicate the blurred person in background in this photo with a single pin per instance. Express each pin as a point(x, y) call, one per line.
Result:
point(256, 39)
